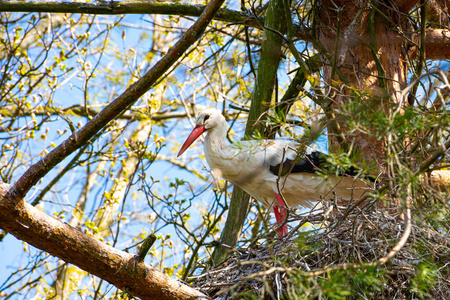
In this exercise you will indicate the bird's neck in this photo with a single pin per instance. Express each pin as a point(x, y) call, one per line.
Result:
point(215, 140)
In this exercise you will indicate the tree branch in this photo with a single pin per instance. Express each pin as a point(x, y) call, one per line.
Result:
point(73, 246)
point(123, 7)
point(437, 43)
point(115, 108)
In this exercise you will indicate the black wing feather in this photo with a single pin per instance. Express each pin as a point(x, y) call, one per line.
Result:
point(311, 163)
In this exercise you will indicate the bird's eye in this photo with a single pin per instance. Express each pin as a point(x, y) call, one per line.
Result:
point(206, 118)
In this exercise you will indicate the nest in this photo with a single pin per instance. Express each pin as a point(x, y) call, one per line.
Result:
point(328, 256)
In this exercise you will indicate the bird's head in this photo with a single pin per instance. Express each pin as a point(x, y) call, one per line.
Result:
point(210, 118)
point(207, 120)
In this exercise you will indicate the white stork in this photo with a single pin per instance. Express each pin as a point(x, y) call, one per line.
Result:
point(257, 165)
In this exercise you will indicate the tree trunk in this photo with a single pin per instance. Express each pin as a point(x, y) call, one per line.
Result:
point(363, 49)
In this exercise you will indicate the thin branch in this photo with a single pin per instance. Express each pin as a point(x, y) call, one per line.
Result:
point(145, 247)
point(121, 7)
point(115, 108)
point(134, 113)
point(59, 239)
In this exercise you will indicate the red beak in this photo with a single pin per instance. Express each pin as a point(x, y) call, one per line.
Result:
point(198, 130)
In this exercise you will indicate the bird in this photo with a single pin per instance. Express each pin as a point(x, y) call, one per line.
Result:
point(274, 172)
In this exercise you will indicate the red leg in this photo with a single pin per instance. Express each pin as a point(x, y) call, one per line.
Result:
point(280, 214)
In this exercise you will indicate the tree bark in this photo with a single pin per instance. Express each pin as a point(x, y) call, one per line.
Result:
point(372, 58)
point(437, 43)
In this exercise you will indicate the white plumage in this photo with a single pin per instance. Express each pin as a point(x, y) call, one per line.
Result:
point(255, 167)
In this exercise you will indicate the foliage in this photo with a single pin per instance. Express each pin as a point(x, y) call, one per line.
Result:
point(426, 277)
